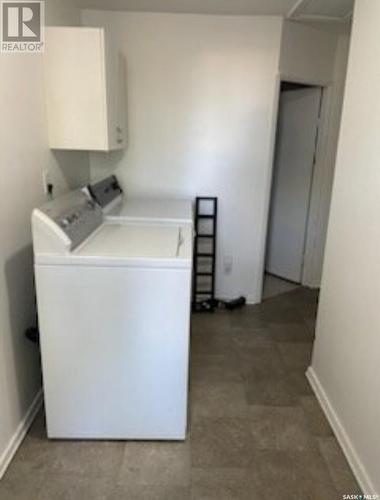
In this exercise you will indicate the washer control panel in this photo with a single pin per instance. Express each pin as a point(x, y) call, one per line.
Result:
point(76, 215)
point(105, 191)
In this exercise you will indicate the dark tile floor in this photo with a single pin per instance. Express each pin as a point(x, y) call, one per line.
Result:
point(256, 430)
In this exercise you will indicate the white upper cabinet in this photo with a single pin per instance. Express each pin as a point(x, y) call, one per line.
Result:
point(85, 90)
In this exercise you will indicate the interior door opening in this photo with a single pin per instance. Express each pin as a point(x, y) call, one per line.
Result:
point(293, 171)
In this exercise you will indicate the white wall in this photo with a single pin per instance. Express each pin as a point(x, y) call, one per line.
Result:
point(346, 355)
point(201, 101)
point(317, 54)
point(23, 155)
point(307, 52)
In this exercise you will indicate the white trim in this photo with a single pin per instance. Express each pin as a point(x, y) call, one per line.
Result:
point(312, 283)
point(252, 300)
point(287, 77)
point(296, 6)
point(312, 259)
point(311, 233)
point(348, 17)
point(18, 436)
point(320, 18)
point(300, 4)
point(308, 278)
point(341, 435)
point(256, 296)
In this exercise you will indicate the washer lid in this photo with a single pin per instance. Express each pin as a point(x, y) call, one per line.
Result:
point(142, 241)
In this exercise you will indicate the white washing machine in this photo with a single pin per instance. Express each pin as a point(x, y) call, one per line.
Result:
point(118, 208)
point(114, 318)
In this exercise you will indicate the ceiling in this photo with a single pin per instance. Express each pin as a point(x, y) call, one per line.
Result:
point(337, 10)
point(243, 7)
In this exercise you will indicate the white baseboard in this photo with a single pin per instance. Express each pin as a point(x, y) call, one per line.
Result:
point(252, 301)
point(341, 435)
point(17, 438)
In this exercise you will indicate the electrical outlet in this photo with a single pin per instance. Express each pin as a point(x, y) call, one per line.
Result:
point(227, 264)
point(47, 184)
point(46, 180)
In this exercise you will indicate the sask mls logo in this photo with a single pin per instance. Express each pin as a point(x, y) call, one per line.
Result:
point(22, 25)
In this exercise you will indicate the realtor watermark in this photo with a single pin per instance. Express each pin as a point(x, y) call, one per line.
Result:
point(360, 497)
point(22, 26)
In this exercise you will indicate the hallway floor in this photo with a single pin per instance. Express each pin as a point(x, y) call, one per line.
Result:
point(273, 286)
point(256, 430)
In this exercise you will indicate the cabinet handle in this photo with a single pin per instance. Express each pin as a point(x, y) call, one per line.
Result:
point(119, 130)
point(119, 141)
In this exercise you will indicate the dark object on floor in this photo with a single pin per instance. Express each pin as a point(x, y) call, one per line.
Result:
point(33, 335)
point(204, 306)
point(212, 304)
point(232, 304)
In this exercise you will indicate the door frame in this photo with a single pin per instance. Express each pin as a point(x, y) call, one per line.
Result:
point(275, 252)
point(312, 258)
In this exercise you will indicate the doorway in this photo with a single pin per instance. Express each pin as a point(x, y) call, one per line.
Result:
point(294, 161)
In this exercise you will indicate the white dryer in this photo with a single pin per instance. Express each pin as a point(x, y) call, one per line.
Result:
point(118, 208)
point(114, 318)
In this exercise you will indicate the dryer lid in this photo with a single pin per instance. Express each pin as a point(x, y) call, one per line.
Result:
point(161, 210)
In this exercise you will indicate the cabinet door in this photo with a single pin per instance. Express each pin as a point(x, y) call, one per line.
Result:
point(122, 103)
point(116, 98)
point(75, 88)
